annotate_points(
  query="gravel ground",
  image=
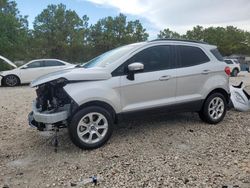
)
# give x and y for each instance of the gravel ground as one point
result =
(176, 150)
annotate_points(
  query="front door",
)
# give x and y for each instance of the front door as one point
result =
(156, 85)
(32, 71)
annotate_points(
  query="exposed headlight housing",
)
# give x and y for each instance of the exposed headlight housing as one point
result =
(59, 81)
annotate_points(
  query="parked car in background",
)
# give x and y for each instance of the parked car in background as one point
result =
(139, 79)
(234, 66)
(32, 70)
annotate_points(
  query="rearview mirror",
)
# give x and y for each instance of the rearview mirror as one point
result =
(134, 68)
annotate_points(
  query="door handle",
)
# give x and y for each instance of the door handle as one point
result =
(205, 72)
(164, 78)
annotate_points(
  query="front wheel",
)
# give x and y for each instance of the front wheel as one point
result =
(91, 127)
(11, 80)
(214, 109)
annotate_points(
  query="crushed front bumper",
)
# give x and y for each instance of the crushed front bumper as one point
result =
(46, 119)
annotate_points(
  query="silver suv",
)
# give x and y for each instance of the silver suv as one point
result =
(141, 78)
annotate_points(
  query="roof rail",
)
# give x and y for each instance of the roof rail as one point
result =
(181, 40)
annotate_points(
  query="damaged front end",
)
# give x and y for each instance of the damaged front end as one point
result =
(53, 106)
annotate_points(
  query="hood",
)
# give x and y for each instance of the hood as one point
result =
(8, 62)
(74, 74)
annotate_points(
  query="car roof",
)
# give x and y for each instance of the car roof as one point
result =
(47, 60)
(180, 40)
(184, 42)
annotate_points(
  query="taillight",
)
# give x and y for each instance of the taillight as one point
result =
(227, 71)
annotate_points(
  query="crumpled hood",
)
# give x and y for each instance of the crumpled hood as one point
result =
(74, 74)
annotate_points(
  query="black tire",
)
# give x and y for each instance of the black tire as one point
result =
(235, 73)
(205, 113)
(11, 81)
(74, 128)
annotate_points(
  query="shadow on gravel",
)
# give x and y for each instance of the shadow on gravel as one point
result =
(22, 85)
(127, 129)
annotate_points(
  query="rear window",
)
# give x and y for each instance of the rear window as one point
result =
(236, 61)
(51, 63)
(228, 61)
(217, 54)
(191, 56)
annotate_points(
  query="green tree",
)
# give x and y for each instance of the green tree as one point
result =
(168, 34)
(60, 33)
(110, 32)
(230, 40)
(196, 34)
(13, 31)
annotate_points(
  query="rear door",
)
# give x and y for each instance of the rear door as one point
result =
(156, 85)
(194, 69)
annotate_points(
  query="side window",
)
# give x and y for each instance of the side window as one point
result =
(35, 64)
(52, 63)
(228, 61)
(217, 54)
(191, 56)
(154, 59)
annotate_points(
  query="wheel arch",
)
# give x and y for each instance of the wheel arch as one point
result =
(222, 91)
(3, 78)
(102, 104)
(235, 68)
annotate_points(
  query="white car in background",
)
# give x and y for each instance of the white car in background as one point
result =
(234, 66)
(32, 70)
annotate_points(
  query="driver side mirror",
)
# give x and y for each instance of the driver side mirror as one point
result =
(134, 68)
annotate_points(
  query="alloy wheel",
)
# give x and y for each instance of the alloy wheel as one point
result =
(92, 128)
(216, 108)
(11, 80)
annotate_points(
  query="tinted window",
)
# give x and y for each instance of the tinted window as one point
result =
(155, 58)
(190, 56)
(228, 61)
(236, 61)
(35, 64)
(217, 54)
(52, 63)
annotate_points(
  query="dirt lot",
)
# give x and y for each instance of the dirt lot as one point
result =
(166, 151)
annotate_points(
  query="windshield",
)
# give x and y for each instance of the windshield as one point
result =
(109, 57)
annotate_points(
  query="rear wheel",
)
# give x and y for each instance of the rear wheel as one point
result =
(11, 81)
(235, 73)
(214, 109)
(91, 127)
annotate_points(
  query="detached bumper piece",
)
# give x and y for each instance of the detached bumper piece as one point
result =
(46, 120)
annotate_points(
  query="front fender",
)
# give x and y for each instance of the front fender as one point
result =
(104, 91)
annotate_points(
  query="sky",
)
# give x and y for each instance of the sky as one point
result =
(155, 15)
